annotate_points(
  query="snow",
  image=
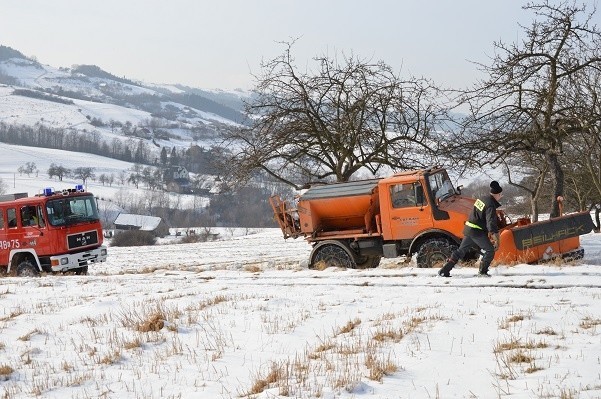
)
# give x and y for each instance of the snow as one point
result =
(144, 223)
(29, 111)
(14, 156)
(244, 317)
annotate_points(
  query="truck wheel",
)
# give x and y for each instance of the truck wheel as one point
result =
(27, 269)
(434, 253)
(81, 271)
(367, 262)
(331, 254)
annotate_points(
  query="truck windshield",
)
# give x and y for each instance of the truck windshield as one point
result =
(68, 211)
(441, 185)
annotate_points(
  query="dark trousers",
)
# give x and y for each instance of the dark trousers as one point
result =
(473, 239)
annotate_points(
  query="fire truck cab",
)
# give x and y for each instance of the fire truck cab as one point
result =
(50, 232)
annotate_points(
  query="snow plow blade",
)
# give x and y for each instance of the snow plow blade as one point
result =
(546, 240)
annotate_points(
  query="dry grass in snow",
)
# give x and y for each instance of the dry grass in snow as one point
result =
(255, 327)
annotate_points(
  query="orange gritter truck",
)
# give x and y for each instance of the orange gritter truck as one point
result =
(355, 224)
(50, 232)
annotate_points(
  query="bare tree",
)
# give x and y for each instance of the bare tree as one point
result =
(532, 172)
(28, 169)
(328, 125)
(135, 176)
(84, 173)
(122, 177)
(583, 152)
(124, 199)
(58, 170)
(521, 106)
(103, 178)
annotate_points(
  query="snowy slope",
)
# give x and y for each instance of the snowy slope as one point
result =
(94, 99)
(15, 156)
(22, 110)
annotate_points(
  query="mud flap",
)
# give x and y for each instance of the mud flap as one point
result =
(552, 230)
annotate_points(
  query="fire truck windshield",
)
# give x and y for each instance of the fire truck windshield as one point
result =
(68, 211)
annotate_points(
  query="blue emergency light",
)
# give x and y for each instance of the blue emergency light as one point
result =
(79, 188)
(48, 191)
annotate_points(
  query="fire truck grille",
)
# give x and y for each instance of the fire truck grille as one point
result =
(82, 239)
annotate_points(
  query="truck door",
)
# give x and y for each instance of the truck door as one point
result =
(32, 216)
(409, 210)
(13, 235)
(30, 226)
(4, 242)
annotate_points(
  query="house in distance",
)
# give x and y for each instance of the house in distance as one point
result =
(129, 221)
(177, 179)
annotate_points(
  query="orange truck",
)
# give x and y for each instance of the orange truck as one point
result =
(50, 232)
(355, 224)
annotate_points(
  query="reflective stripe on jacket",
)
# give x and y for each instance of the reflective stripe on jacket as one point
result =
(472, 225)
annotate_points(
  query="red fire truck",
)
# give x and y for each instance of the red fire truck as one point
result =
(50, 232)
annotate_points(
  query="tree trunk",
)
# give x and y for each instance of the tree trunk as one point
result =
(534, 208)
(557, 176)
(536, 193)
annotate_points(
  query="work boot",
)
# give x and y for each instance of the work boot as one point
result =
(445, 270)
(444, 273)
(483, 272)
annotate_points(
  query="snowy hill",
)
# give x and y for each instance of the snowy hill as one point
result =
(85, 98)
(45, 110)
(112, 198)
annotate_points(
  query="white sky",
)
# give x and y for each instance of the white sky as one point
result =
(219, 44)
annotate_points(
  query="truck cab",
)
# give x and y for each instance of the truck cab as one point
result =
(422, 203)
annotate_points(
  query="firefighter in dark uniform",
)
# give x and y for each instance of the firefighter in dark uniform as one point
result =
(481, 231)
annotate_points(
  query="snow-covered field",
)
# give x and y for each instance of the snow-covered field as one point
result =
(243, 317)
(15, 156)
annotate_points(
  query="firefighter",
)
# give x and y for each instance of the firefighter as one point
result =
(481, 231)
(29, 217)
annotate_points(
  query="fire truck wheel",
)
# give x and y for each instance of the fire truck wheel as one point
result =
(331, 254)
(434, 253)
(82, 271)
(27, 269)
